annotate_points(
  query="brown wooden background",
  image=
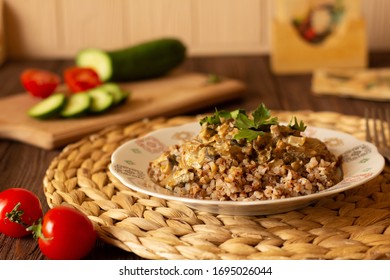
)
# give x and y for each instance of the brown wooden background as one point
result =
(57, 29)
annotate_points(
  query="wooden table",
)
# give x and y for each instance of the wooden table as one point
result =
(24, 166)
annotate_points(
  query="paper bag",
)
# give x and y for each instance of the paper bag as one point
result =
(311, 34)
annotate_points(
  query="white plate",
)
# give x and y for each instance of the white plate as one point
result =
(129, 163)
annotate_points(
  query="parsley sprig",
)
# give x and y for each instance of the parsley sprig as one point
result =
(249, 127)
(216, 118)
(300, 126)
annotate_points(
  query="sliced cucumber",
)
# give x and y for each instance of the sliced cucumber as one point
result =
(98, 59)
(76, 105)
(101, 100)
(116, 92)
(49, 107)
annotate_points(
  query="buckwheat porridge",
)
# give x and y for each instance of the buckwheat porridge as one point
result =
(244, 157)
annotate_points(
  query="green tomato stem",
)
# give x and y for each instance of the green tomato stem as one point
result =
(15, 215)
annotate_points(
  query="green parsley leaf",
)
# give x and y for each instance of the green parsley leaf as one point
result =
(248, 134)
(262, 116)
(216, 118)
(210, 120)
(243, 122)
(300, 126)
(249, 127)
(234, 114)
(224, 114)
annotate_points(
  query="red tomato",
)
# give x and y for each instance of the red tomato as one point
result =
(39, 83)
(309, 34)
(66, 234)
(81, 78)
(19, 209)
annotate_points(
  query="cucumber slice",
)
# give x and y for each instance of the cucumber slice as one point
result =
(101, 100)
(76, 105)
(99, 60)
(49, 107)
(116, 91)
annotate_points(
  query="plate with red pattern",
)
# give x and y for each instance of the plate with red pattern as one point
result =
(361, 162)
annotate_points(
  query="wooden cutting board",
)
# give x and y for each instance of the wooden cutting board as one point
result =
(175, 94)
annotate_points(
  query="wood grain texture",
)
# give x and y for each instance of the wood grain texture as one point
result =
(175, 94)
(378, 22)
(2, 35)
(90, 22)
(58, 29)
(226, 26)
(145, 20)
(32, 27)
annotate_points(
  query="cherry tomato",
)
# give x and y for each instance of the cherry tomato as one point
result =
(66, 234)
(309, 34)
(81, 78)
(39, 83)
(19, 209)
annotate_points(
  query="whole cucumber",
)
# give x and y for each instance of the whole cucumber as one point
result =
(143, 61)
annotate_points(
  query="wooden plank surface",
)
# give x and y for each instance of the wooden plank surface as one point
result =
(53, 29)
(175, 94)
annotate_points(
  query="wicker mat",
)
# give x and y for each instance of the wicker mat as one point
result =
(351, 225)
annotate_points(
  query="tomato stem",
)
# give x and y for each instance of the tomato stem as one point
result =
(36, 229)
(15, 215)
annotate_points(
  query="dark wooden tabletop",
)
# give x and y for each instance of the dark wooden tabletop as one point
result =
(24, 165)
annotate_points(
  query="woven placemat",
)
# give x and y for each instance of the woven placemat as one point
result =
(350, 225)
